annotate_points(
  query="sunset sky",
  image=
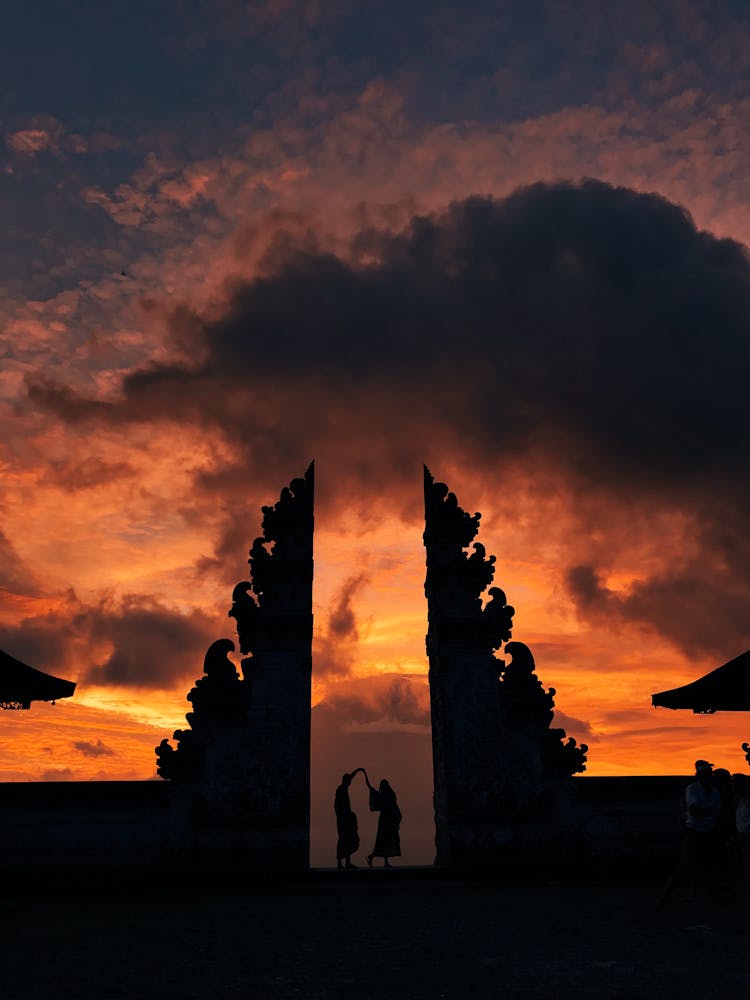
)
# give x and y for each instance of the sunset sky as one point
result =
(507, 241)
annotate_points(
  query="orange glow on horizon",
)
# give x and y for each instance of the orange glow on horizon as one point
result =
(603, 678)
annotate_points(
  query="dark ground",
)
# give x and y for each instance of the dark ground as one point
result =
(369, 934)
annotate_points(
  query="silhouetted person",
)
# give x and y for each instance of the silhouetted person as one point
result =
(741, 785)
(701, 851)
(727, 828)
(346, 823)
(387, 840)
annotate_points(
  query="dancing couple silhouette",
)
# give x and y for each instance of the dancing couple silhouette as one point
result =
(382, 800)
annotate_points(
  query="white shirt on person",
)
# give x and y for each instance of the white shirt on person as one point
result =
(705, 798)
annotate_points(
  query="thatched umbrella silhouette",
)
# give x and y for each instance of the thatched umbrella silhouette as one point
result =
(725, 689)
(21, 684)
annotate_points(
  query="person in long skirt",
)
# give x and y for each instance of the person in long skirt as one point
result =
(387, 839)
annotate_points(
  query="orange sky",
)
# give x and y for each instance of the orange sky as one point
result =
(603, 675)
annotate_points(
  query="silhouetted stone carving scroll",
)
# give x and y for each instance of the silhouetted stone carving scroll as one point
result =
(277, 597)
(183, 763)
(497, 618)
(247, 752)
(495, 755)
(219, 699)
(529, 709)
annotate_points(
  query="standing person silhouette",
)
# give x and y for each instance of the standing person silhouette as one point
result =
(700, 860)
(741, 783)
(387, 840)
(346, 823)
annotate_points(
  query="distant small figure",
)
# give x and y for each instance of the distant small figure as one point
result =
(701, 853)
(387, 840)
(725, 788)
(741, 786)
(728, 865)
(346, 823)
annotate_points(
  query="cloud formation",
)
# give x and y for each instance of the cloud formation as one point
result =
(152, 645)
(56, 774)
(572, 311)
(694, 604)
(335, 648)
(14, 574)
(589, 326)
(383, 702)
(89, 749)
(131, 642)
(342, 622)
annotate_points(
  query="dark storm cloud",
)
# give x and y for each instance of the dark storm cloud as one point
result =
(400, 703)
(229, 557)
(154, 646)
(582, 314)
(573, 727)
(42, 641)
(217, 58)
(386, 700)
(342, 622)
(335, 649)
(87, 474)
(14, 574)
(150, 645)
(702, 611)
(97, 749)
(56, 774)
(589, 324)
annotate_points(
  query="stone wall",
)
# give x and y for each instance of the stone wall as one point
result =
(607, 823)
(83, 824)
(627, 818)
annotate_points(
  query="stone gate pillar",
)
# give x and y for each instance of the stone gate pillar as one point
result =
(496, 760)
(246, 758)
